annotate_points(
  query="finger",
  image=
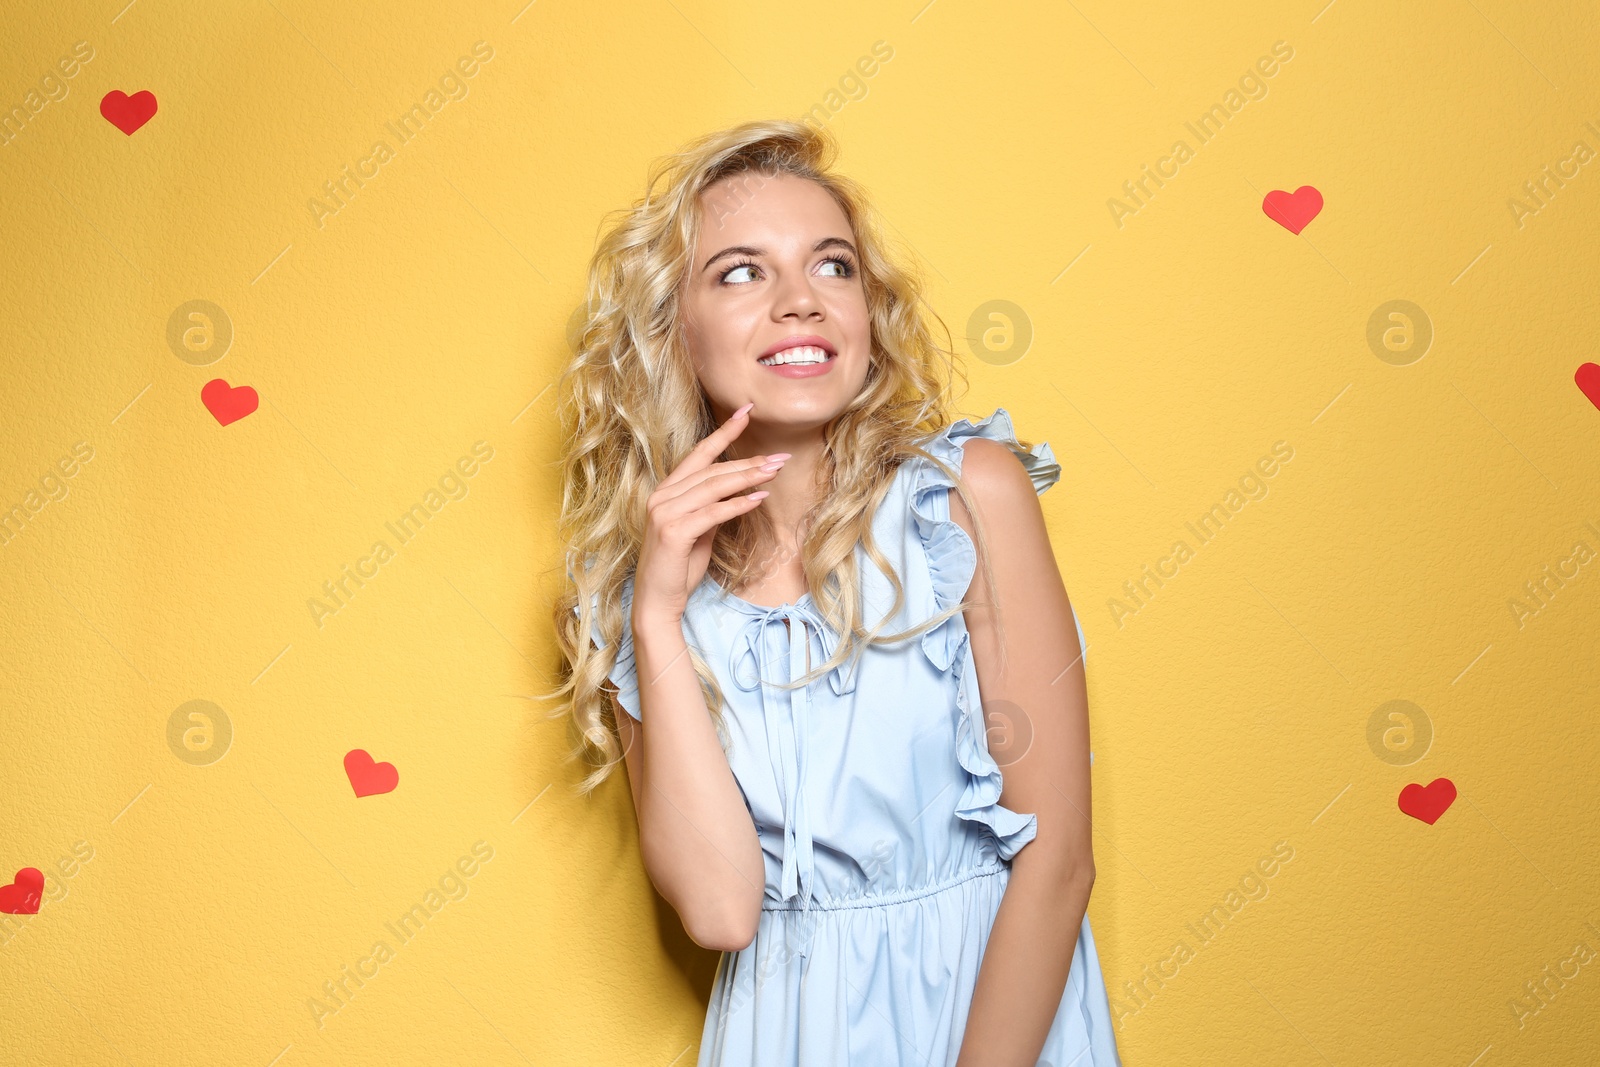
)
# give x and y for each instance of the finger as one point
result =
(712, 485)
(724, 477)
(695, 524)
(709, 448)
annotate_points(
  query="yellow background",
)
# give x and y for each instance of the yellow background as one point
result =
(429, 312)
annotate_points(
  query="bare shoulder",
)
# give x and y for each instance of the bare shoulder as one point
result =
(1004, 493)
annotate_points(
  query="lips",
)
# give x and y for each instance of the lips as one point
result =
(801, 341)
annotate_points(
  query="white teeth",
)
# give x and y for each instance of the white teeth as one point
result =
(800, 354)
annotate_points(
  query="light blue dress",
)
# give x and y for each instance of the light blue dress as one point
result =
(878, 809)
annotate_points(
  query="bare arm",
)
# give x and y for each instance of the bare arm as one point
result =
(696, 836)
(1040, 672)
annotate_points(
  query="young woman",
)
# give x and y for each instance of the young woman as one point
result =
(786, 599)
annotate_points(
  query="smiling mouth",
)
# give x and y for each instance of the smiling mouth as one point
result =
(800, 355)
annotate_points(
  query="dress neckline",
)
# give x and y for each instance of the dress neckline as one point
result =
(903, 470)
(761, 609)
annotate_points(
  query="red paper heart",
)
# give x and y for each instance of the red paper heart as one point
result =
(22, 896)
(228, 403)
(1293, 210)
(367, 777)
(1428, 802)
(1588, 379)
(128, 113)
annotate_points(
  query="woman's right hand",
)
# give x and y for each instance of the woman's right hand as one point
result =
(683, 513)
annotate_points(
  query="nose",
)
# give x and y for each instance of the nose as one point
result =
(795, 295)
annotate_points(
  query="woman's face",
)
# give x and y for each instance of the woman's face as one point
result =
(776, 268)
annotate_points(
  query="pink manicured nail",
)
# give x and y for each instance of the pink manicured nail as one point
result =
(744, 409)
(760, 495)
(774, 465)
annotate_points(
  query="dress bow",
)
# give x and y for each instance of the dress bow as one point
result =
(787, 715)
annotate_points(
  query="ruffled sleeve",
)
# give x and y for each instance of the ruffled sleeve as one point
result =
(952, 561)
(952, 557)
(623, 674)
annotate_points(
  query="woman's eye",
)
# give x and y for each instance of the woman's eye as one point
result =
(740, 273)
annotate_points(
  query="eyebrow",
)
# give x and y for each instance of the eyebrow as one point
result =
(746, 250)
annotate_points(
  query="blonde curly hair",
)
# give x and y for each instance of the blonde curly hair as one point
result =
(631, 408)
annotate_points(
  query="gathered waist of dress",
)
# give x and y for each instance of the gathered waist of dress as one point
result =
(879, 900)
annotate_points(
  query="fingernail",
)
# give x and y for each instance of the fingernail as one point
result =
(780, 455)
(774, 465)
(744, 409)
